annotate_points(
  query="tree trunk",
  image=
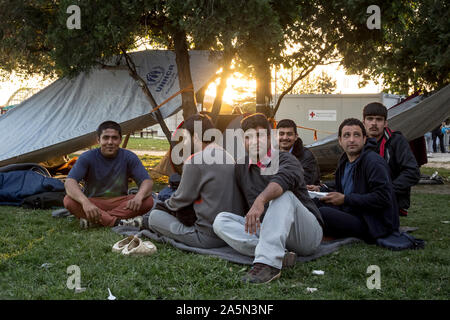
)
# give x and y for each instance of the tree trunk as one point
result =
(200, 95)
(217, 105)
(263, 88)
(184, 73)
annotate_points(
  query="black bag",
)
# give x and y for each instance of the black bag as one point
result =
(44, 200)
(400, 241)
(185, 215)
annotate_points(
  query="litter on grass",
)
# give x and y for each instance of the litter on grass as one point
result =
(318, 272)
(111, 297)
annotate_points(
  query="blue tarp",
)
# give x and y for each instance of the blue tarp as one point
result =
(17, 185)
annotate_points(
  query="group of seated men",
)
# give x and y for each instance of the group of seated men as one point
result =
(268, 215)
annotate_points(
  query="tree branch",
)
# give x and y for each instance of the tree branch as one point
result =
(306, 72)
(141, 83)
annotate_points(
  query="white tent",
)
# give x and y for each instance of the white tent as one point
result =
(413, 118)
(62, 118)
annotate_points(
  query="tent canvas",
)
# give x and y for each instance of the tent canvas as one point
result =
(62, 118)
(413, 118)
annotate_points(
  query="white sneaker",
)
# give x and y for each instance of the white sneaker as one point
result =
(120, 245)
(132, 222)
(137, 247)
(86, 224)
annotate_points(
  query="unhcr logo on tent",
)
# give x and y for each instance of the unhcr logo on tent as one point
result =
(159, 77)
(155, 76)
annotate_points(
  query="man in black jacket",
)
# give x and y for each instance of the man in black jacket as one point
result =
(435, 134)
(394, 148)
(364, 204)
(289, 141)
(280, 214)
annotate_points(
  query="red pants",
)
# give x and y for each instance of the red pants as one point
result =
(111, 209)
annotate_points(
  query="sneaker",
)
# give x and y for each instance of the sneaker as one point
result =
(132, 222)
(120, 245)
(86, 224)
(137, 247)
(261, 273)
(289, 260)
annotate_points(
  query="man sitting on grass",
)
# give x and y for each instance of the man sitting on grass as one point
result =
(206, 187)
(395, 149)
(291, 219)
(105, 172)
(364, 204)
(291, 142)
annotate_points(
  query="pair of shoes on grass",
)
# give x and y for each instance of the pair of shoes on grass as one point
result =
(261, 273)
(134, 246)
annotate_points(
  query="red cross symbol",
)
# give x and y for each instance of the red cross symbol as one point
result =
(312, 114)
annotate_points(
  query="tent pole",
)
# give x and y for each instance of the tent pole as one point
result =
(125, 142)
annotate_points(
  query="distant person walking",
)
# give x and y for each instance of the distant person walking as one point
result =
(437, 133)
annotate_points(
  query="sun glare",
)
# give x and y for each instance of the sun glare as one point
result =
(238, 88)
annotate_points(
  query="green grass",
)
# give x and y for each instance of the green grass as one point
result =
(28, 239)
(150, 144)
(443, 172)
(145, 144)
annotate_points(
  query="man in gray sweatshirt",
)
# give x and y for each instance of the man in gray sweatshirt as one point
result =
(209, 186)
(280, 214)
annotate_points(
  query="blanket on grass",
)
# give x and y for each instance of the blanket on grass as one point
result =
(227, 252)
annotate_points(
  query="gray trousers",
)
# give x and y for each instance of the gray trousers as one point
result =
(287, 224)
(169, 226)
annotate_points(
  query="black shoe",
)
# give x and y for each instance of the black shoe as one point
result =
(261, 273)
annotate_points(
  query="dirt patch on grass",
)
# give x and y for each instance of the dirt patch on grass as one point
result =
(445, 165)
(435, 189)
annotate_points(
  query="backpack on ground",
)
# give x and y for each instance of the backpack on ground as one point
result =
(400, 241)
(44, 200)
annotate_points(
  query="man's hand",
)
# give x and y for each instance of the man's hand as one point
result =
(334, 198)
(252, 223)
(311, 187)
(134, 204)
(92, 211)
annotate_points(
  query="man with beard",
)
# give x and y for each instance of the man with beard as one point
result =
(364, 204)
(394, 148)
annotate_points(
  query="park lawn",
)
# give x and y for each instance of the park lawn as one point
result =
(31, 238)
(148, 144)
(145, 144)
(443, 172)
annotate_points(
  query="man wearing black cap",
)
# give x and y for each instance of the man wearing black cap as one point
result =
(394, 148)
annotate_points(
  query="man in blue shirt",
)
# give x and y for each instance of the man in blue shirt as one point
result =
(105, 172)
